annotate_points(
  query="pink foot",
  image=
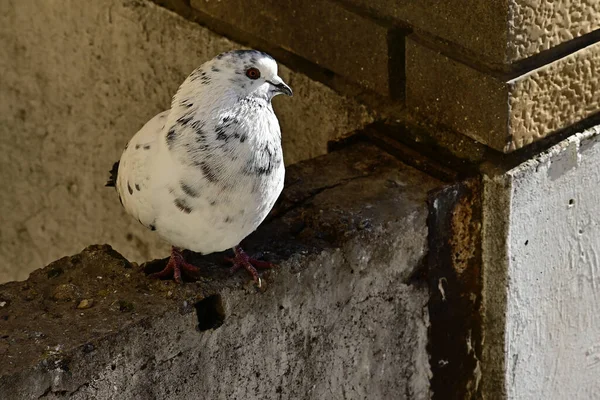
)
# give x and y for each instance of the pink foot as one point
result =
(242, 260)
(175, 267)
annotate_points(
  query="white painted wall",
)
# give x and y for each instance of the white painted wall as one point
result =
(552, 331)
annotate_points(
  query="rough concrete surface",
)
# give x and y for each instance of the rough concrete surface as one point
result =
(340, 317)
(503, 114)
(541, 278)
(321, 31)
(79, 78)
(535, 26)
(502, 31)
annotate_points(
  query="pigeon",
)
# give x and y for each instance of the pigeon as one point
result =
(205, 173)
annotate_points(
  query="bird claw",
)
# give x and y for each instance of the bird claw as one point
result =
(176, 267)
(242, 260)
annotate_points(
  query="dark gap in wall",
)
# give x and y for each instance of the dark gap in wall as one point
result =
(504, 72)
(418, 147)
(532, 150)
(396, 42)
(210, 312)
(555, 53)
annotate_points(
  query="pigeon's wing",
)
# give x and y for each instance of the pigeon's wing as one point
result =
(134, 170)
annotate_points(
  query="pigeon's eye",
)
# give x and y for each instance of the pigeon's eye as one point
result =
(253, 73)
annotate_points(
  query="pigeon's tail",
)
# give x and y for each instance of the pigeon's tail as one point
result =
(114, 172)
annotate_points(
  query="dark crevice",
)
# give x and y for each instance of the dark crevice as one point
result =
(210, 312)
(505, 71)
(533, 150)
(416, 146)
(396, 42)
(418, 277)
(281, 212)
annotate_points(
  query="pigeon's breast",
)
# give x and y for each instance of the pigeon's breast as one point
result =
(225, 184)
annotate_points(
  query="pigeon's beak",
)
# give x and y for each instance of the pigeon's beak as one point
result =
(279, 86)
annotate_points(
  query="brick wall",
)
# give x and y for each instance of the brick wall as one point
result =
(506, 73)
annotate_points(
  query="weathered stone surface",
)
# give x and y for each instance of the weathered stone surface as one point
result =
(501, 113)
(78, 80)
(541, 241)
(535, 26)
(321, 31)
(339, 314)
(502, 31)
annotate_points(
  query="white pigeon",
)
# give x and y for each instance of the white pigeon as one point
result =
(206, 173)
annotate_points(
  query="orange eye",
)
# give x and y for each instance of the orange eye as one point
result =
(253, 73)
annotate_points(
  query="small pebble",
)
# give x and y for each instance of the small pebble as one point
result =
(85, 303)
(65, 292)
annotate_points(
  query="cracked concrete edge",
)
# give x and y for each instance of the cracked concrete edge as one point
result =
(119, 365)
(346, 298)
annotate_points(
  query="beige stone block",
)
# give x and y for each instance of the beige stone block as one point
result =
(78, 80)
(503, 31)
(321, 31)
(535, 26)
(505, 114)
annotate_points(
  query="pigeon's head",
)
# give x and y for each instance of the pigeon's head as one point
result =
(249, 73)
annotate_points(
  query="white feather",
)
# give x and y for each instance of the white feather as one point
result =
(209, 169)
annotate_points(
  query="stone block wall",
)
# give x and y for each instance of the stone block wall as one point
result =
(506, 73)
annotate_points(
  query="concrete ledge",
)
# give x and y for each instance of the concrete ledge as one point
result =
(340, 315)
(505, 114)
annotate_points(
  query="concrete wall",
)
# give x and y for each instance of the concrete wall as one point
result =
(340, 317)
(542, 277)
(79, 78)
